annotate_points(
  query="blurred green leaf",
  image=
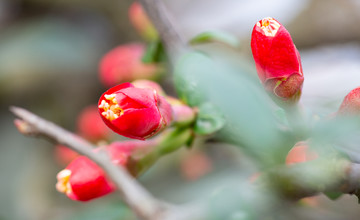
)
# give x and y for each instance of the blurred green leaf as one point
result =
(186, 81)
(37, 50)
(154, 53)
(216, 36)
(249, 112)
(112, 212)
(231, 201)
(209, 119)
(333, 195)
(340, 133)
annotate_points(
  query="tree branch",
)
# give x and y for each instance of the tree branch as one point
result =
(136, 196)
(319, 176)
(298, 181)
(159, 16)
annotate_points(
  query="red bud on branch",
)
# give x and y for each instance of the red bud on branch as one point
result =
(141, 22)
(300, 153)
(277, 60)
(124, 64)
(351, 103)
(134, 112)
(84, 180)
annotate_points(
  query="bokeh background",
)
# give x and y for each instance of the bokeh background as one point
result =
(49, 55)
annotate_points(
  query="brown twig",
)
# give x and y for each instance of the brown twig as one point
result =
(162, 21)
(313, 177)
(136, 196)
(295, 182)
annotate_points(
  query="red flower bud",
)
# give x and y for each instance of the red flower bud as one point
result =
(64, 155)
(91, 126)
(351, 103)
(123, 64)
(141, 22)
(277, 60)
(148, 84)
(183, 115)
(84, 180)
(196, 165)
(120, 152)
(300, 153)
(134, 112)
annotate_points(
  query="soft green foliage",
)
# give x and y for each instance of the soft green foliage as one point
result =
(209, 119)
(186, 79)
(333, 195)
(216, 36)
(249, 113)
(110, 212)
(154, 52)
(330, 136)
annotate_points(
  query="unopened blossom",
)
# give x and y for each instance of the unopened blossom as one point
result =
(137, 113)
(141, 22)
(277, 60)
(351, 103)
(300, 153)
(124, 64)
(84, 180)
(90, 125)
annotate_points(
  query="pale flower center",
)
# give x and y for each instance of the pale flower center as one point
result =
(269, 26)
(63, 184)
(111, 108)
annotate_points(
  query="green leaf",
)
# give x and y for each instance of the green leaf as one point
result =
(209, 119)
(216, 36)
(249, 112)
(154, 53)
(341, 133)
(333, 195)
(186, 76)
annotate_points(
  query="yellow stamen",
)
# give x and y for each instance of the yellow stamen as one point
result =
(63, 184)
(269, 25)
(111, 108)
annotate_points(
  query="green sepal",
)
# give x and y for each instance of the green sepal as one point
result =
(173, 140)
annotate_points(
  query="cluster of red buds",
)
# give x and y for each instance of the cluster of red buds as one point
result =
(137, 110)
(124, 62)
(279, 68)
(141, 109)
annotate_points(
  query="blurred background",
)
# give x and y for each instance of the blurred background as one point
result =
(49, 55)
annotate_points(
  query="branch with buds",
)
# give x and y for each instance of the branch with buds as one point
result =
(133, 194)
(146, 113)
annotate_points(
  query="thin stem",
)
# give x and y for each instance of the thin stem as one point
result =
(297, 181)
(162, 21)
(136, 196)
